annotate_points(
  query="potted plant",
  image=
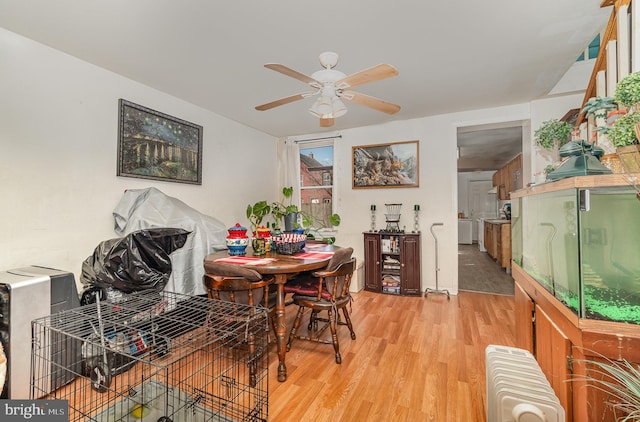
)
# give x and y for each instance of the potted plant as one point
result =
(599, 106)
(317, 229)
(623, 132)
(619, 379)
(553, 134)
(313, 227)
(288, 212)
(628, 90)
(624, 136)
(256, 213)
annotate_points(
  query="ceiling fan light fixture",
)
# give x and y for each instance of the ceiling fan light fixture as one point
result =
(339, 109)
(333, 87)
(321, 107)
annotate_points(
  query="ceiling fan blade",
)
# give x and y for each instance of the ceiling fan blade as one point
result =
(375, 73)
(281, 101)
(372, 102)
(326, 121)
(290, 72)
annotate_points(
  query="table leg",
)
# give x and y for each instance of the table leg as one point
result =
(281, 326)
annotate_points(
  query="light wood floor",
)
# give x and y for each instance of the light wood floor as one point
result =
(414, 359)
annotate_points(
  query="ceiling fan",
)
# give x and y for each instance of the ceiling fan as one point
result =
(333, 86)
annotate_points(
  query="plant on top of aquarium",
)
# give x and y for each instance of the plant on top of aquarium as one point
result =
(628, 90)
(553, 133)
(599, 106)
(622, 132)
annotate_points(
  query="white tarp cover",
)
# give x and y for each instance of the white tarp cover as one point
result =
(150, 208)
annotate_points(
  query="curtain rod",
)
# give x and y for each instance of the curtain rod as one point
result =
(317, 139)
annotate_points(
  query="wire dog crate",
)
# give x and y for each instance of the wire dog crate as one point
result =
(152, 356)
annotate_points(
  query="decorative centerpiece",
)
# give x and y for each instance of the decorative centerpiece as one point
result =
(583, 159)
(290, 243)
(237, 240)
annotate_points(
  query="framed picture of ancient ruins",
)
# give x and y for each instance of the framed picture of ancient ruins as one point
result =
(154, 145)
(391, 165)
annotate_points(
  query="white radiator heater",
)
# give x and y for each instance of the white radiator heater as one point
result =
(517, 390)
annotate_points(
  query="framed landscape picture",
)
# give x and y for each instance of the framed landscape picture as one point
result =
(154, 145)
(393, 165)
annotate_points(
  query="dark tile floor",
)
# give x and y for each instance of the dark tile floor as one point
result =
(478, 272)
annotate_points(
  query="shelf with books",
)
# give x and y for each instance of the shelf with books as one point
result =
(390, 244)
(392, 263)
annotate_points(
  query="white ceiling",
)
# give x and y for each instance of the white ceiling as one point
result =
(451, 56)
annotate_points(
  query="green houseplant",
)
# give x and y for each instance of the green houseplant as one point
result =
(628, 90)
(599, 106)
(312, 226)
(622, 133)
(287, 212)
(621, 380)
(256, 213)
(553, 134)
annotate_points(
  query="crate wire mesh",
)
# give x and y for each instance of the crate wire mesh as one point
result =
(152, 356)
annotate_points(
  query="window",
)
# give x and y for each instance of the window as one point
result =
(326, 178)
(316, 180)
(592, 50)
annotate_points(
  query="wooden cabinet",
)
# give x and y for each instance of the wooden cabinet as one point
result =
(392, 263)
(372, 275)
(561, 342)
(508, 178)
(497, 241)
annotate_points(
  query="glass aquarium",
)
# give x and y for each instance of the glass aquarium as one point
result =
(583, 246)
(516, 231)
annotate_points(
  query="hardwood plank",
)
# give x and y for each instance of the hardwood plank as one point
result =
(413, 359)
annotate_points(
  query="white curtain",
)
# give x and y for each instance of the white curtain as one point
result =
(291, 168)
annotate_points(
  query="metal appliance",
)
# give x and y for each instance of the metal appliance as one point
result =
(26, 294)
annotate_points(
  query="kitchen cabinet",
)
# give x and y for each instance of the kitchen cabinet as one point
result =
(392, 263)
(508, 178)
(497, 241)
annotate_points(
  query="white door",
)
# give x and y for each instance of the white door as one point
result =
(481, 203)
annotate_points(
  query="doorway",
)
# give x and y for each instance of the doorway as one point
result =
(483, 149)
(482, 204)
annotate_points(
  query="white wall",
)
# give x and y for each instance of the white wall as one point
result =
(437, 194)
(58, 146)
(541, 111)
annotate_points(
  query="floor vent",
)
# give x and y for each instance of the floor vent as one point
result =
(517, 390)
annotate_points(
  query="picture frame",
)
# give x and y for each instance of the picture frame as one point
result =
(157, 146)
(389, 165)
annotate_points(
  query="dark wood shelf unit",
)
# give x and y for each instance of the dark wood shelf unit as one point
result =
(395, 255)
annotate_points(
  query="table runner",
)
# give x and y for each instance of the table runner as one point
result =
(242, 260)
(313, 255)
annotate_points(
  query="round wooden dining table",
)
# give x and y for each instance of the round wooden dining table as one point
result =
(283, 267)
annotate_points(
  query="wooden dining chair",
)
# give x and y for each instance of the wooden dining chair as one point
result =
(242, 286)
(325, 290)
